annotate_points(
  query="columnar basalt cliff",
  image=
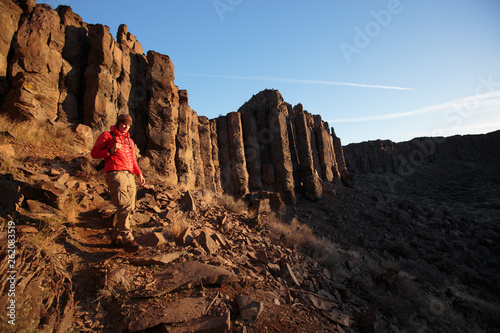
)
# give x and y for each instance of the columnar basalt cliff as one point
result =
(55, 66)
(385, 156)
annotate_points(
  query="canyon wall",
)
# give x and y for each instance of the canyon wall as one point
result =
(384, 156)
(55, 66)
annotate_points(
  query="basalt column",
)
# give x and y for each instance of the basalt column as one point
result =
(280, 154)
(75, 57)
(237, 154)
(215, 155)
(252, 150)
(10, 13)
(163, 114)
(329, 170)
(206, 153)
(184, 158)
(226, 175)
(36, 66)
(339, 158)
(311, 184)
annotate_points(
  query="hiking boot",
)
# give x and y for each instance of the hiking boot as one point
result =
(131, 245)
(127, 243)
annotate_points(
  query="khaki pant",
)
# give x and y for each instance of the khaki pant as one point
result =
(123, 192)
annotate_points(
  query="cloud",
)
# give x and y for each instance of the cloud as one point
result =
(467, 105)
(299, 81)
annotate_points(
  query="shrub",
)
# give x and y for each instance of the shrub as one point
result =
(301, 236)
(232, 204)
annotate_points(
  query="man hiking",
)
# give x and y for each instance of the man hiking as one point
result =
(117, 149)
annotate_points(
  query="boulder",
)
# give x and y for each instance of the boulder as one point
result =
(175, 311)
(186, 274)
(10, 195)
(249, 308)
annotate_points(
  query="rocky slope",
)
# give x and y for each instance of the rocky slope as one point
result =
(410, 245)
(55, 66)
(356, 260)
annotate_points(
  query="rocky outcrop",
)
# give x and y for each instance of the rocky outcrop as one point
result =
(384, 156)
(55, 66)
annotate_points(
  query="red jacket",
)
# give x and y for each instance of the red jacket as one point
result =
(123, 159)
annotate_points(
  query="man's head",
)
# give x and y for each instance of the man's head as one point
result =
(123, 122)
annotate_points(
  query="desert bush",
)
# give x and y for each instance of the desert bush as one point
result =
(301, 236)
(176, 226)
(37, 132)
(71, 209)
(232, 204)
(49, 231)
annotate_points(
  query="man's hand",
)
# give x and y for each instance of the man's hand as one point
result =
(142, 181)
(116, 147)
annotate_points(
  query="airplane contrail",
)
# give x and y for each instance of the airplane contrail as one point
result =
(467, 105)
(300, 81)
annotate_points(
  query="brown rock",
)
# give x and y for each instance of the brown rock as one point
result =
(151, 239)
(339, 317)
(249, 309)
(188, 201)
(185, 275)
(207, 242)
(10, 195)
(161, 259)
(37, 207)
(261, 206)
(186, 237)
(220, 324)
(49, 193)
(288, 275)
(176, 311)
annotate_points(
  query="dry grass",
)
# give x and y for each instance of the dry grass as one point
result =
(178, 224)
(71, 209)
(301, 236)
(232, 204)
(38, 132)
(51, 230)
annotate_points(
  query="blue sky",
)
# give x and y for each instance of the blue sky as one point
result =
(388, 69)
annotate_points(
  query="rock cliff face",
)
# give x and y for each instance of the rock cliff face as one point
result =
(384, 156)
(55, 66)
